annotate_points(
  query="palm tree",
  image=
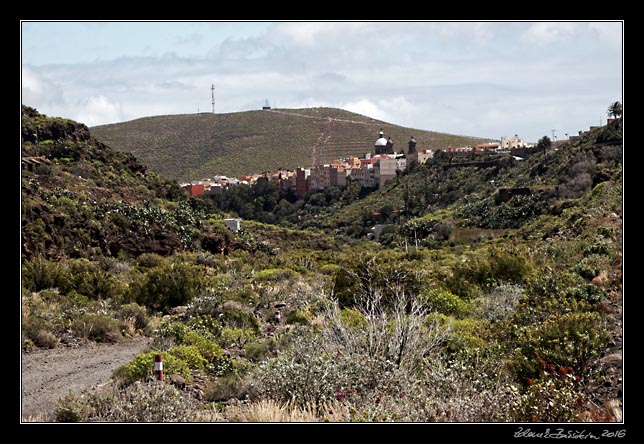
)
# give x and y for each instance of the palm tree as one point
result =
(615, 110)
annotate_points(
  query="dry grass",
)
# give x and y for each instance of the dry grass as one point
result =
(38, 417)
(271, 411)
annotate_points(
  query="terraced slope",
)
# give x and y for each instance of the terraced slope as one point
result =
(192, 146)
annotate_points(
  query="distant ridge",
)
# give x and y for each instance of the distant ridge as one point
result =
(192, 146)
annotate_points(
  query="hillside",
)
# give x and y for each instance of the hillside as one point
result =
(474, 305)
(81, 199)
(192, 146)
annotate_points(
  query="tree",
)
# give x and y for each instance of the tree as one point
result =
(615, 110)
(544, 143)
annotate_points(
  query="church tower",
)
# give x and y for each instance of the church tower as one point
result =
(380, 145)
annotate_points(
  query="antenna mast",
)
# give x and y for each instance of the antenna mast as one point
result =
(212, 89)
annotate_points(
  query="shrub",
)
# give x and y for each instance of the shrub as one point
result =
(40, 274)
(141, 368)
(190, 355)
(257, 351)
(567, 340)
(73, 408)
(139, 402)
(465, 334)
(447, 303)
(548, 400)
(500, 303)
(210, 350)
(235, 317)
(205, 324)
(297, 317)
(273, 274)
(138, 313)
(229, 387)
(169, 285)
(307, 376)
(149, 260)
(352, 319)
(329, 269)
(38, 331)
(587, 292)
(97, 327)
(89, 279)
(237, 337)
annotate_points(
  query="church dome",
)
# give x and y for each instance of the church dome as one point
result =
(381, 142)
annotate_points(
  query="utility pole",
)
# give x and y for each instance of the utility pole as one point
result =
(212, 89)
(553, 134)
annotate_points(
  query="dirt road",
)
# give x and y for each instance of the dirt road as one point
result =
(48, 375)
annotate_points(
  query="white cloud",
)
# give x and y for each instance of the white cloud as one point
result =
(547, 33)
(310, 34)
(38, 89)
(368, 108)
(97, 110)
(608, 32)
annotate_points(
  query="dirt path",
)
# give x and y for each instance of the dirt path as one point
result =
(48, 375)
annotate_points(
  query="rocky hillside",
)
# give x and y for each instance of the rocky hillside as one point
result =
(80, 198)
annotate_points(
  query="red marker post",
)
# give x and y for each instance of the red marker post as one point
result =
(158, 367)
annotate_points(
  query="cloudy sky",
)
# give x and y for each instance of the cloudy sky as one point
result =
(486, 79)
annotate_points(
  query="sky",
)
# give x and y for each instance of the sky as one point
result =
(488, 79)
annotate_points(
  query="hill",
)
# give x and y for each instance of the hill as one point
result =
(192, 146)
(473, 305)
(81, 199)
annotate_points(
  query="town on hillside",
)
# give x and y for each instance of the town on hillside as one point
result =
(372, 171)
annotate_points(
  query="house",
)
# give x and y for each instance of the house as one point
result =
(195, 189)
(233, 224)
(33, 163)
(513, 143)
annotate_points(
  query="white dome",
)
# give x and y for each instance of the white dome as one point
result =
(381, 142)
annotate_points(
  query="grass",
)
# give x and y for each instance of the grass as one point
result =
(193, 146)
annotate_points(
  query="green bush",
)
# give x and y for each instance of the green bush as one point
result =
(141, 368)
(89, 279)
(587, 292)
(237, 337)
(169, 285)
(174, 330)
(210, 350)
(235, 317)
(190, 355)
(297, 317)
(273, 274)
(352, 319)
(40, 274)
(567, 340)
(206, 325)
(258, 351)
(329, 269)
(149, 260)
(221, 366)
(447, 303)
(465, 334)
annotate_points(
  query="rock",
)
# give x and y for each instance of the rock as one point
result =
(181, 309)
(177, 380)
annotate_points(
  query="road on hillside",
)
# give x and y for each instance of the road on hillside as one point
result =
(49, 375)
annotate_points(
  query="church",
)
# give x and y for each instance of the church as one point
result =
(382, 145)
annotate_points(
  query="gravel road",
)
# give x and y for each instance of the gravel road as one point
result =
(48, 375)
